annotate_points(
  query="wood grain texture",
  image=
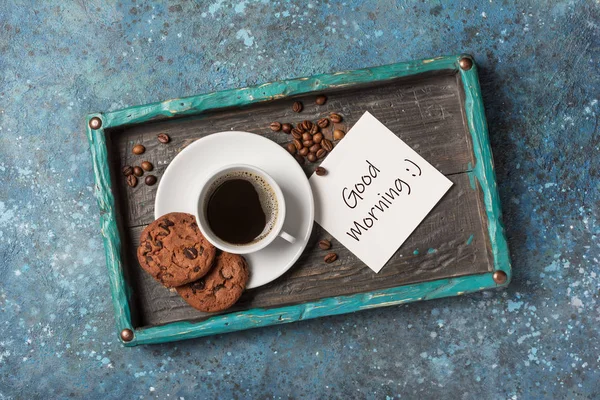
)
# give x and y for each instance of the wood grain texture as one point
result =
(451, 242)
(424, 111)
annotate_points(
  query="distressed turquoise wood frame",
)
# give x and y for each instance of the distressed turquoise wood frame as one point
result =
(482, 172)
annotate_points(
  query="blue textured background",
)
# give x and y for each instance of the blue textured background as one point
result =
(539, 68)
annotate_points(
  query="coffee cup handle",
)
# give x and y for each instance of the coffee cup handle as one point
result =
(287, 237)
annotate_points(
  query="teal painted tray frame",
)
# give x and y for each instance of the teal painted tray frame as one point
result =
(482, 172)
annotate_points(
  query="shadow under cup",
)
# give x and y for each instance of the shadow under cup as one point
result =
(270, 199)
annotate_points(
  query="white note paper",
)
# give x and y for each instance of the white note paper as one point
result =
(376, 192)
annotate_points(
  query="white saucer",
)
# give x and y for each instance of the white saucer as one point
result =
(180, 185)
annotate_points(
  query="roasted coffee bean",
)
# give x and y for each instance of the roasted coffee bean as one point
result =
(297, 106)
(321, 153)
(147, 166)
(314, 148)
(307, 125)
(324, 244)
(323, 123)
(304, 151)
(137, 171)
(287, 128)
(296, 133)
(163, 138)
(338, 134)
(307, 143)
(291, 148)
(314, 130)
(306, 136)
(275, 126)
(138, 149)
(132, 180)
(326, 144)
(150, 180)
(317, 138)
(300, 159)
(321, 99)
(329, 258)
(311, 157)
(190, 252)
(322, 171)
(335, 118)
(297, 144)
(127, 170)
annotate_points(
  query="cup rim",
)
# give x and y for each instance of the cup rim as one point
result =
(249, 248)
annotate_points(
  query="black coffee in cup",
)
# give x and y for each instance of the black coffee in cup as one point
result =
(242, 208)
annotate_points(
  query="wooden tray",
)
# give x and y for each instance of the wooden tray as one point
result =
(433, 105)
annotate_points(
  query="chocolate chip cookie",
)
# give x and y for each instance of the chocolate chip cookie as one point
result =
(173, 250)
(221, 287)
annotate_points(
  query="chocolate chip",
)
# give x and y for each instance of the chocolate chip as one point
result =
(190, 253)
(198, 285)
(165, 227)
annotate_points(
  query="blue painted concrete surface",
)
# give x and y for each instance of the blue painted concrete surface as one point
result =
(540, 79)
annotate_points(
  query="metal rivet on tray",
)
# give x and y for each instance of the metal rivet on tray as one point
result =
(127, 335)
(95, 123)
(465, 63)
(499, 277)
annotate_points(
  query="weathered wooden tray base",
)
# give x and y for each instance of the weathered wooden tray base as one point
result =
(425, 110)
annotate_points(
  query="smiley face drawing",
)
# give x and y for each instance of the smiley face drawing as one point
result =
(413, 168)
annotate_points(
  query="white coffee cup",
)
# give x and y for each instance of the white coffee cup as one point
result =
(275, 213)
